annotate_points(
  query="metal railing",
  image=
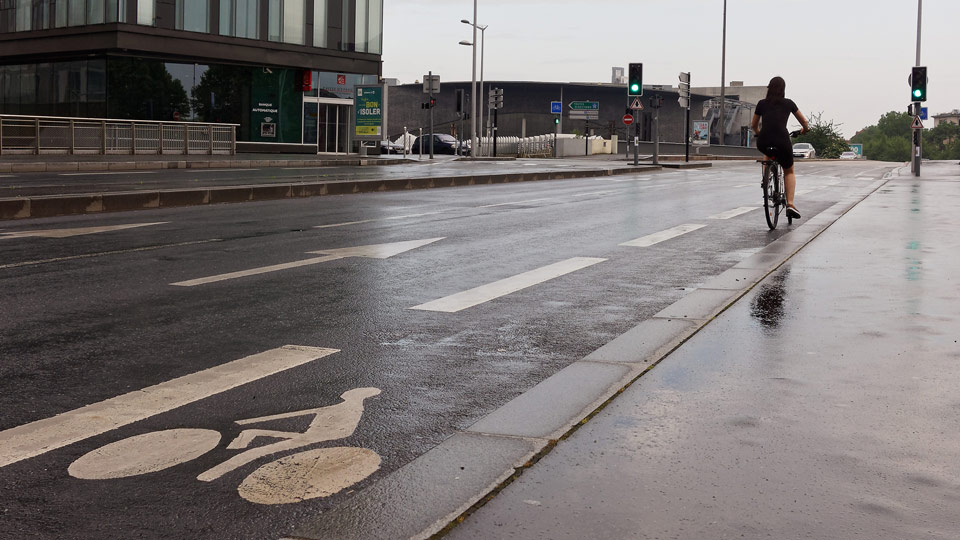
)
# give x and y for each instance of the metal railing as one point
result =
(64, 135)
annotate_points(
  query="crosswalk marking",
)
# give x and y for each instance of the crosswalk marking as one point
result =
(256, 271)
(66, 233)
(35, 438)
(656, 238)
(485, 293)
(733, 213)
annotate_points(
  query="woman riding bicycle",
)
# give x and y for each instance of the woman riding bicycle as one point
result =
(773, 139)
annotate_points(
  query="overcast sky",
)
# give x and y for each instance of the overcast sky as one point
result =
(848, 59)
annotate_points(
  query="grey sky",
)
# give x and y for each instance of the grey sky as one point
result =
(848, 59)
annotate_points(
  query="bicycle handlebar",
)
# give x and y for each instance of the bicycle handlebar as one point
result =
(795, 134)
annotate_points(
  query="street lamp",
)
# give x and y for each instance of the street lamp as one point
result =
(473, 117)
(479, 106)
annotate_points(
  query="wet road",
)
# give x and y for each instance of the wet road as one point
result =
(481, 293)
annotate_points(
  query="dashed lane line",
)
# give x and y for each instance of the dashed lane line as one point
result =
(66, 233)
(36, 438)
(105, 253)
(515, 202)
(485, 293)
(733, 213)
(656, 238)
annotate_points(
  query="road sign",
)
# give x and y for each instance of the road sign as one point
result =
(923, 113)
(584, 115)
(627, 119)
(585, 105)
(636, 105)
(556, 107)
(917, 124)
(431, 84)
(857, 149)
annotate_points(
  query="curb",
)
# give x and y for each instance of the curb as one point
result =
(93, 203)
(527, 428)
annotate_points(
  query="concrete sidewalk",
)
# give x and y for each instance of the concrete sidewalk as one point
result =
(822, 404)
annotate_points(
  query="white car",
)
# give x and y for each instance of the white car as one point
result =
(804, 150)
(848, 155)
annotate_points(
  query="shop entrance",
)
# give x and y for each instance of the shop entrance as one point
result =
(326, 122)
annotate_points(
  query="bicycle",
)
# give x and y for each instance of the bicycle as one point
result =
(293, 478)
(774, 191)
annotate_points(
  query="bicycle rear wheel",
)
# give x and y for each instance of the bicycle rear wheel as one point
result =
(771, 195)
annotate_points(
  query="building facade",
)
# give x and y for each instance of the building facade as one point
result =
(284, 70)
(952, 117)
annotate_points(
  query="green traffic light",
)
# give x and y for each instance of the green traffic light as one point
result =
(918, 93)
(634, 87)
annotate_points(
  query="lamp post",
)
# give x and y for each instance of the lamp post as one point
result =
(479, 106)
(723, 77)
(472, 111)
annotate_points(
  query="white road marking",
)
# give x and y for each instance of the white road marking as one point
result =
(733, 213)
(746, 185)
(66, 233)
(6, 176)
(514, 202)
(661, 236)
(594, 193)
(377, 251)
(868, 171)
(378, 219)
(485, 293)
(304, 168)
(106, 173)
(36, 438)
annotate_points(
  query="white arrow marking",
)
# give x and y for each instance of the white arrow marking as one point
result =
(66, 233)
(733, 213)
(377, 251)
(661, 236)
(35, 438)
(485, 293)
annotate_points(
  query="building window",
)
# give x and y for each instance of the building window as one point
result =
(146, 12)
(84, 12)
(193, 15)
(240, 18)
(320, 23)
(369, 29)
(286, 21)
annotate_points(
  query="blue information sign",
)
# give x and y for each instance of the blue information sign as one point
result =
(556, 107)
(923, 113)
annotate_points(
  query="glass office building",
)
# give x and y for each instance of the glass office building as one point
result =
(230, 61)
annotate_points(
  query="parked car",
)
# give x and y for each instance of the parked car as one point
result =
(848, 155)
(390, 147)
(442, 144)
(804, 150)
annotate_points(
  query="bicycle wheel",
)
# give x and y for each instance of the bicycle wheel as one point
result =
(771, 198)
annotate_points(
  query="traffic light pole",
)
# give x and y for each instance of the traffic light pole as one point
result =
(918, 133)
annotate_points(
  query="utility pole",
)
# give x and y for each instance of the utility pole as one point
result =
(723, 77)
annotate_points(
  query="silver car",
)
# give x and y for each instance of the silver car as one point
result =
(804, 150)
(848, 155)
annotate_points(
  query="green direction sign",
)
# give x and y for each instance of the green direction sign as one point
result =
(585, 105)
(368, 110)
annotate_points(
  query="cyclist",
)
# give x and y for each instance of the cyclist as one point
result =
(775, 110)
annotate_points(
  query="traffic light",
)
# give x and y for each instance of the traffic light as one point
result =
(918, 84)
(556, 121)
(635, 80)
(459, 100)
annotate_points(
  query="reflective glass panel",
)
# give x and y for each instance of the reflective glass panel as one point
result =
(320, 23)
(146, 12)
(294, 12)
(94, 11)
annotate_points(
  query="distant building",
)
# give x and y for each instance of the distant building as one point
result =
(952, 117)
(738, 112)
(526, 110)
(619, 76)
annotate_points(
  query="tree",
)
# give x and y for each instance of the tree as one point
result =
(942, 142)
(825, 137)
(218, 97)
(144, 90)
(889, 140)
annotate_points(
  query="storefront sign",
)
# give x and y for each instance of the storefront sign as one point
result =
(369, 112)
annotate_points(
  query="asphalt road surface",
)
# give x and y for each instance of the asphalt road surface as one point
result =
(131, 344)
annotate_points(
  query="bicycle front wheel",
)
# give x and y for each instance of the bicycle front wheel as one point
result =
(771, 196)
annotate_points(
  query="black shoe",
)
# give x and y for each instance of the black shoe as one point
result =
(792, 213)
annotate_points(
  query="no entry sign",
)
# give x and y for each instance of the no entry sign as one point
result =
(628, 119)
